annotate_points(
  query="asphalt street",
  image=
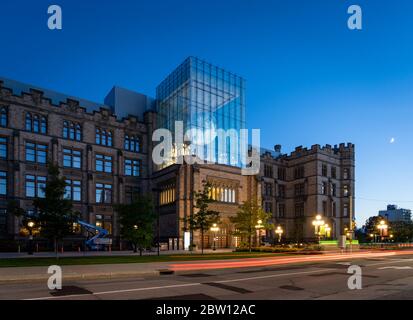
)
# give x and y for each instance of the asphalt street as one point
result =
(389, 277)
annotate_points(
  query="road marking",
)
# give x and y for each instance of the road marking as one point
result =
(179, 285)
(397, 268)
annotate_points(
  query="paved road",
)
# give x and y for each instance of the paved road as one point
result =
(389, 277)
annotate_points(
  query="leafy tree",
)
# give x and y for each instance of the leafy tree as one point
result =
(402, 231)
(370, 227)
(137, 221)
(55, 216)
(248, 215)
(203, 218)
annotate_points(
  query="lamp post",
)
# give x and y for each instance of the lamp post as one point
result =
(214, 229)
(317, 223)
(158, 232)
(258, 227)
(279, 231)
(382, 226)
(328, 231)
(30, 226)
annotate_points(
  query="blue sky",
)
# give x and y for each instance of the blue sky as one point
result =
(309, 78)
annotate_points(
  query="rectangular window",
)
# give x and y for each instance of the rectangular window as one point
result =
(281, 210)
(281, 191)
(3, 148)
(3, 183)
(268, 172)
(324, 188)
(299, 209)
(103, 193)
(268, 207)
(72, 158)
(72, 130)
(299, 189)
(3, 220)
(131, 192)
(282, 174)
(333, 172)
(345, 173)
(3, 117)
(299, 172)
(345, 210)
(324, 170)
(73, 190)
(36, 152)
(325, 208)
(35, 186)
(333, 189)
(132, 167)
(103, 163)
(268, 189)
(345, 191)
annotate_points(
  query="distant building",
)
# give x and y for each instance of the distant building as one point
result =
(393, 214)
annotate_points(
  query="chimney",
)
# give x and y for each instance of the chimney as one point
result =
(277, 148)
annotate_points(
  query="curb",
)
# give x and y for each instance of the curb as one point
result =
(83, 276)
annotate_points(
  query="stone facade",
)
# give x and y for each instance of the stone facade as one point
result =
(294, 187)
(17, 167)
(306, 183)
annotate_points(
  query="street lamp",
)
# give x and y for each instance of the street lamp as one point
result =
(382, 226)
(214, 229)
(258, 226)
(279, 231)
(328, 230)
(317, 223)
(30, 226)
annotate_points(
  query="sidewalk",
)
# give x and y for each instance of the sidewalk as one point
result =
(13, 255)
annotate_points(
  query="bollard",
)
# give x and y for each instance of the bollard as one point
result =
(37, 247)
(62, 250)
(78, 249)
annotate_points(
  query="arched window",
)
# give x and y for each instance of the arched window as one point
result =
(36, 123)
(98, 136)
(78, 132)
(65, 129)
(3, 116)
(127, 141)
(28, 121)
(109, 138)
(43, 127)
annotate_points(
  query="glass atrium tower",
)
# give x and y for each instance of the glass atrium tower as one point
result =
(208, 100)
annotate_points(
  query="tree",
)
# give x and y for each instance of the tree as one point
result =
(247, 218)
(370, 227)
(402, 231)
(203, 218)
(137, 220)
(54, 214)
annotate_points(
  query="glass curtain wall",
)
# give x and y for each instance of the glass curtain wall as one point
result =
(209, 99)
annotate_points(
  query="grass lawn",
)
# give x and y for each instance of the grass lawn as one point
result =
(35, 262)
